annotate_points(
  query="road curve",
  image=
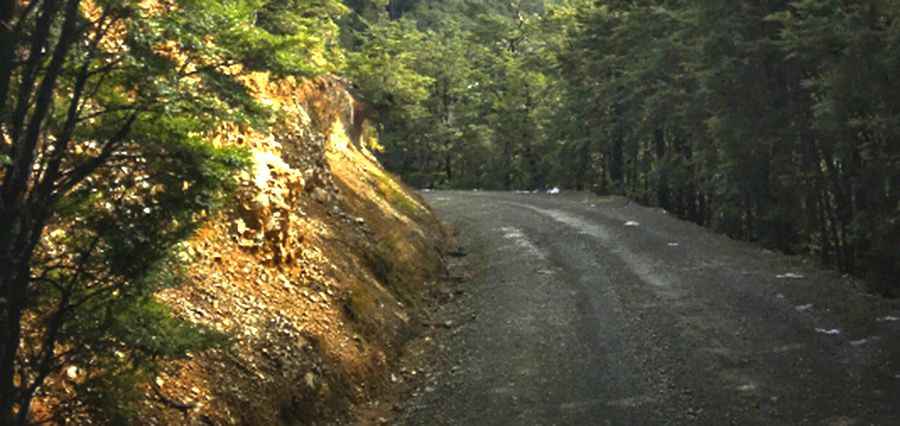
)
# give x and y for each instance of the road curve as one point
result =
(573, 318)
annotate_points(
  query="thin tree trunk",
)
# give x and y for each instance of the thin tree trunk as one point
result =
(25, 224)
(8, 37)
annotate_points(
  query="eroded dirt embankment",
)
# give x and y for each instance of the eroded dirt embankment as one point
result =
(318, 272)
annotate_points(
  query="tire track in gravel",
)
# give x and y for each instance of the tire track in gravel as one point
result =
(582, 320)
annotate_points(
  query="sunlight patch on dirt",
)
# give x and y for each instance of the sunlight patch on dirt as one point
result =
(639, 265)
(517, 236)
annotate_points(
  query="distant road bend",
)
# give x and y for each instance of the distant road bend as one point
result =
(582, 320)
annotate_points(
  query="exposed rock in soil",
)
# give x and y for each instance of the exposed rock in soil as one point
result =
(316, 272)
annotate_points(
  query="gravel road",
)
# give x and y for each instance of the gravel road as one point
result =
(570, 317)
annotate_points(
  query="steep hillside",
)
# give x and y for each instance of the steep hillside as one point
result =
(122, 127)
(316, 271)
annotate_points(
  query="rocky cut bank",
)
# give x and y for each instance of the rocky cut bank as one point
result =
(316, 272)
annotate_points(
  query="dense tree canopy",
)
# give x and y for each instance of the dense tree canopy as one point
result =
(774, 121)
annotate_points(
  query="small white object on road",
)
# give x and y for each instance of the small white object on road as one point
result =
(779, 296)
(889, 318)
(859, 342)
(674, 244)
(802, 308)
(749, 387)
(553, 191)
(830, 332)
(790, 275)
(632, 224)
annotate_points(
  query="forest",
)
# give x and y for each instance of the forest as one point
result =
(772, 121)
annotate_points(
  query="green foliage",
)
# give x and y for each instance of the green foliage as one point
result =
(141, 333)
(770, 122)
(385, 66)
(105, 170)
(761, 121)
(453, 80)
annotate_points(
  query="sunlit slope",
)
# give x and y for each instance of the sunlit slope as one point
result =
(315, 270)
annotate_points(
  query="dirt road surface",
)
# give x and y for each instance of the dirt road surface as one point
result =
(571, 315)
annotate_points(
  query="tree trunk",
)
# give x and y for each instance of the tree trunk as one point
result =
(448, 168)
(393, 10)
(616, 166)
(23, 217)
(663, 196)
(7, 49)
(507, 165)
